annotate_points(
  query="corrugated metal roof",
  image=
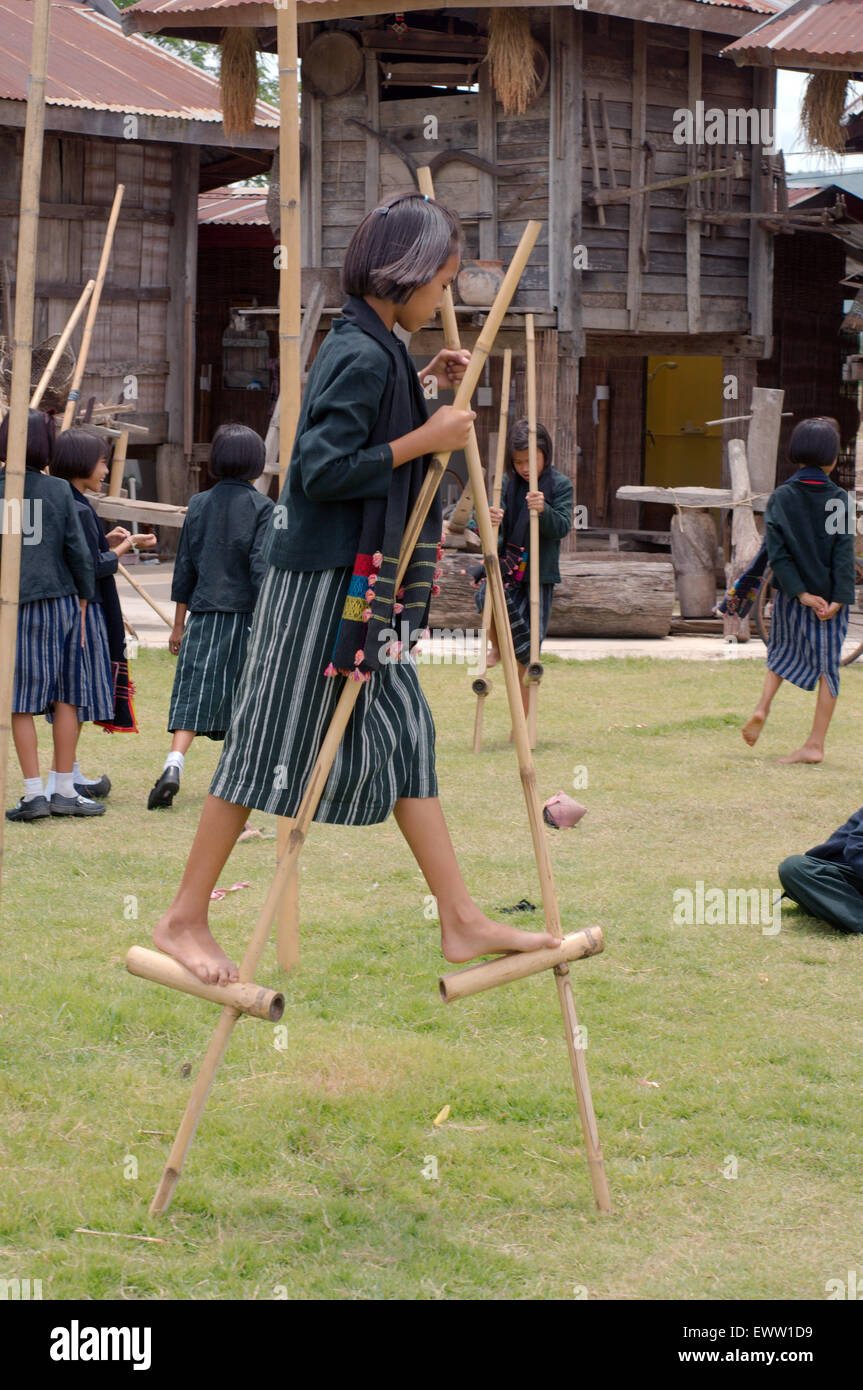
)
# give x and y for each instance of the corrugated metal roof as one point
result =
(245, 207)
(92, 64)
(194, 14)
(822, 33)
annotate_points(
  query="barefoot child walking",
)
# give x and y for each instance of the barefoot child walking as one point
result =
(553, 500)
(217, 576)
(812, 556)
(326, 606)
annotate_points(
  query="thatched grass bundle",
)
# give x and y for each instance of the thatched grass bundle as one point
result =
(511, 60)
(238, 79)
(823, 108)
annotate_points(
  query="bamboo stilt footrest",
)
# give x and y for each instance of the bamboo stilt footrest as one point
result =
(460, 984)
(481, 685)
(533, 673)
(246, 998)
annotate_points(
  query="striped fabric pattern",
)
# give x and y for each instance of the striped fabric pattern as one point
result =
(98, 677)
(518, 606)
(801, 648)
(211, 658)
(284, 705)
(49, 662)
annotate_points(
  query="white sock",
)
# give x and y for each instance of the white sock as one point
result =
(176, 760)
(80, 778)
(33, 787)
(51, 784)
(65, 784)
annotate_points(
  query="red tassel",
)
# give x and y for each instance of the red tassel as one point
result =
(331, 670)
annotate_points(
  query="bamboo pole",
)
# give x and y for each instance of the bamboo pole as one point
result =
(22, 351)
(61, 344)
(460, 984)
(572, 1033)
(320, 772)
(93, 309)
(118, 464)
(290, 367)
(250, 999)
(139, 589)
(482, 686)
(533, 674)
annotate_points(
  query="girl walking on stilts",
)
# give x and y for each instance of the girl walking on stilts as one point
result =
(327, 606)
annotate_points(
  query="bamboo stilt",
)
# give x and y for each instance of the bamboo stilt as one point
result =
(250, 999)
(572, 1032)
(118, 464)
(93, 309)
(533, 674)
(320, 772)
(290, 368)
(461, 984)
(139, 589)
(61, 344)
(22, 351)
(497, 486)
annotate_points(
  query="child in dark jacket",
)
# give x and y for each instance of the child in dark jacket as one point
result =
(553, 500)
(827, 881)
(56, 582)
(810, 548)
(217, 575)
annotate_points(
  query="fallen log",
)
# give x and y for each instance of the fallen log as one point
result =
(625, 596)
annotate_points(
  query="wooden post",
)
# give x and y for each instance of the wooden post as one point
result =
(320, 772)
(481, 685)
(93, 309)
(61, 344)
(22, 350)
(118, 464)
(762, 442)
(533, 675)
(693, 227)
(638, 203)
(290, 314)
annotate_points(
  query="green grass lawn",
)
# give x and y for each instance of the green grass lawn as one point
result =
(711, 1049)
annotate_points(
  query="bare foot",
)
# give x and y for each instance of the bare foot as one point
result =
(806, 754)
(194, 946)
(493, 655)
(463, 938)
(752, 728)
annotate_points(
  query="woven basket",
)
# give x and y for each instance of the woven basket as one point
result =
(57, 390)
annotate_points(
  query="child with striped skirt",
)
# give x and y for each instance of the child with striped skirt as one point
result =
(810, 547)
(81, 457)
(328, 606)
(217, 575)
(56, 582)
(553, 501)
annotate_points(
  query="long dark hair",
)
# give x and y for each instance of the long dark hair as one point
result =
(40, 439)
(399, 246)
(518, 437)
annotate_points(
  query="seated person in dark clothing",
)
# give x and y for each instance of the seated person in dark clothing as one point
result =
(827, 881)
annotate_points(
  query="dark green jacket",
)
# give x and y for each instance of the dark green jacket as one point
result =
(59, 563)
(220, 562)
(808, 545)
(555, 522)
(316, 523)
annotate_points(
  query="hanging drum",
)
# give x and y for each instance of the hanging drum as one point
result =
(333, 64)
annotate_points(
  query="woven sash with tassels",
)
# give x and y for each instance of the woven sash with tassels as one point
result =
(373, 613)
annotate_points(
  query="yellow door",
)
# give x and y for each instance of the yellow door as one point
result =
(679, 449)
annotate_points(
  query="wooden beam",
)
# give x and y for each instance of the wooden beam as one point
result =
(89, 212)
(565, 173)
(171, 473)
(637, 208)
(373, 149)
(71, 289)
(693, 229)
(487, 186)
(164, 130)
(760, 240)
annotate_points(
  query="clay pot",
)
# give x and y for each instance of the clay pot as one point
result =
(479, 281)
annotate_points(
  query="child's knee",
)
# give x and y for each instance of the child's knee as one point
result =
(792, 870)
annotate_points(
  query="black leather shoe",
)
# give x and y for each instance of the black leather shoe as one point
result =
(75, 806)
(36, 808)
(165, 789)
(91, 789)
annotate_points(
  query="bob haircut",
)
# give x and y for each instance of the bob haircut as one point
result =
(399, 246)
(815, 442)
(237, 452)
(76, 453)
(40, 439)
(517, 439)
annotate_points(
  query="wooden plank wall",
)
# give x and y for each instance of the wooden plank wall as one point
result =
(130, 333)
(608, 69)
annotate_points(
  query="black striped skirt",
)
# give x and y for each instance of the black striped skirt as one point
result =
(284, 705)
(49, 658)
(98, 675)
(211, 658)
(801, 648)
(518, 606)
